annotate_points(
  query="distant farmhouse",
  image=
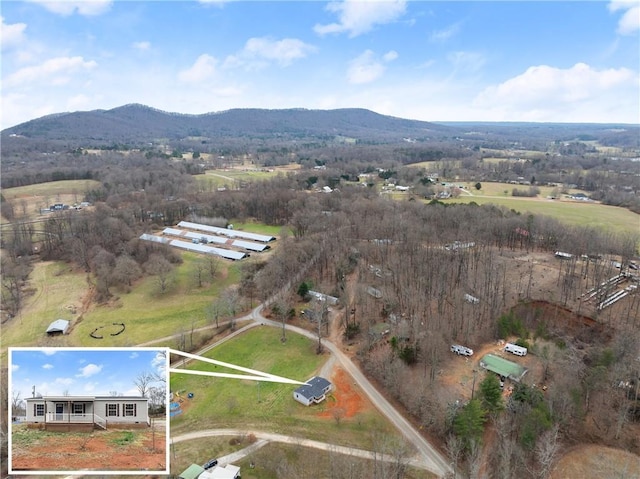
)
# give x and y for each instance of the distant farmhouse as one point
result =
(86, 413)
(313, 392)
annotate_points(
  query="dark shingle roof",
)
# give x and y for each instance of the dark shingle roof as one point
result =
(314, 388)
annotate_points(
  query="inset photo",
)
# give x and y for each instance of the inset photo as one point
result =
(88, 410)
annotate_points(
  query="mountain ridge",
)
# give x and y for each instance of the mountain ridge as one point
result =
(139, 122)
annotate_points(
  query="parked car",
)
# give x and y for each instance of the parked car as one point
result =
(456, 348)
(210, 464)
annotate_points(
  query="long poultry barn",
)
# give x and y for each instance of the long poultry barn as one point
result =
(196, 247)
(205, 238)
(229, 233)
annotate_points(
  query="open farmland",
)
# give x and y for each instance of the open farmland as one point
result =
(28, 200)
(233, 178)
(573, 213)
(62, 292)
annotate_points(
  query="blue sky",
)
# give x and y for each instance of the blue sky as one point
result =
(82, 372)
(574, 61)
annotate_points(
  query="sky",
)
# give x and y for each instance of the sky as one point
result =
(82, 371)
(544, 61)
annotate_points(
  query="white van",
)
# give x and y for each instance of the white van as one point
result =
(515, 349)
(456, 348)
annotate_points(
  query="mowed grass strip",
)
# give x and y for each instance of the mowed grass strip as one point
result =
(244, 404)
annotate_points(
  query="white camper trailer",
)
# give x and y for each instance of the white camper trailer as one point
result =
(515, 349)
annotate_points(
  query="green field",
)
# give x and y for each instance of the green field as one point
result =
(59, 292)
(610, 218)
(232, 403)
(51, 189)
(233, 178)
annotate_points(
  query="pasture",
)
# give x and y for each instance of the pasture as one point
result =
(60, 292)
(233, 403)
(575, 213)
(28, 200)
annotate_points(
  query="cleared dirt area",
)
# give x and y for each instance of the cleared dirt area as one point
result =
(115, 450)
(596, 462)
(345, 401)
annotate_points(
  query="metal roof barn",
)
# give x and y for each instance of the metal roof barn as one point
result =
(503, 367)
(227, 232)
(154, 238)
(200, 248)
(248, 245)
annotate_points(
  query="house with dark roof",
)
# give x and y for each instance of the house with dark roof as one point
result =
(314, 391)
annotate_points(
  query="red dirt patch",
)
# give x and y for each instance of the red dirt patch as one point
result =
(344, 397)
(98, 451)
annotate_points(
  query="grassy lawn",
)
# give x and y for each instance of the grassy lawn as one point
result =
(230, 403)
(315, 462)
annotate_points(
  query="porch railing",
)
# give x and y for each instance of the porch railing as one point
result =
(66, 417)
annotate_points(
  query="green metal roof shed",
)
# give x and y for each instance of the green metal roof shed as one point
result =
(192, 472)
(503, 367)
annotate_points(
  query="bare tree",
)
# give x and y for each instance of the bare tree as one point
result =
(545, 451)
(143, 382)
(158, 266)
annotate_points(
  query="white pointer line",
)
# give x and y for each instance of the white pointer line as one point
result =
(258, 375)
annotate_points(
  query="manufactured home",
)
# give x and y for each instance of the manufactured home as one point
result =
(515, 349)
(314, 391)
(85, 413)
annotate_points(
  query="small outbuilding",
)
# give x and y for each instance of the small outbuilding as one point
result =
(191, 472)
(503, 367)
(314, 391)
(222, 472)
(59, 326)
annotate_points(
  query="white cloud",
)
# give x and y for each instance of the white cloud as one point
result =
(142, 46)
(64, 381)
(390, 56)
(364, 69)
(89, 370)
(358, 17)
(545, 93)
(11, 34)
(49, 351)
(284, 51)
(47, 366)
(159, 363)
(629, 23)
(440, 36)
(259, 52)
(133, 355)
(55, 71)
(367, 68)
(203, 69)
(15, 367)
(81, 7)
(467, 62)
